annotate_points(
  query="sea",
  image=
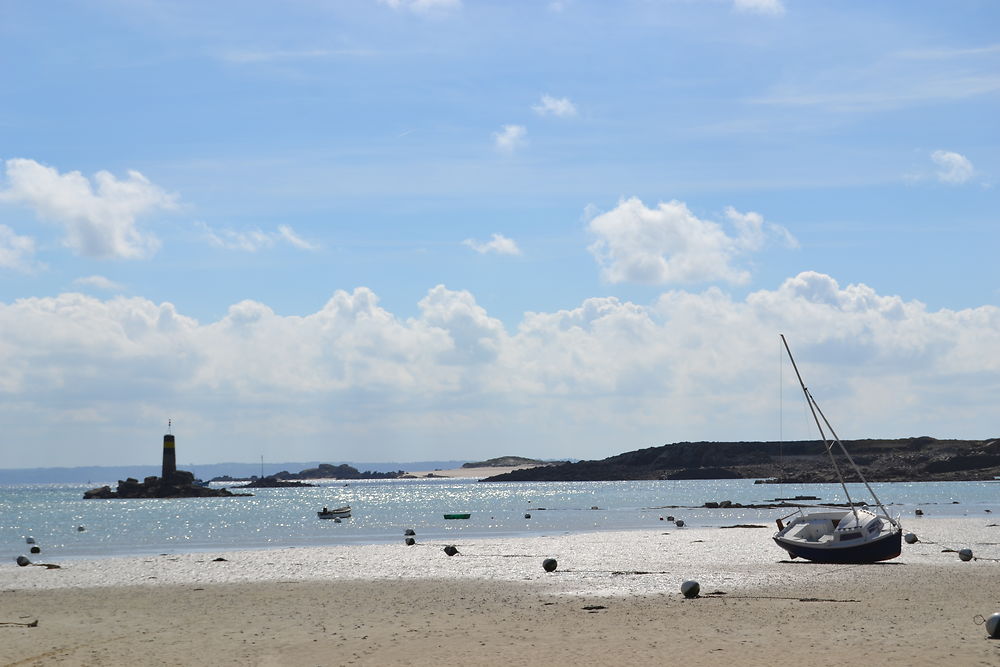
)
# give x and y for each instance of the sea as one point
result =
(64, 526)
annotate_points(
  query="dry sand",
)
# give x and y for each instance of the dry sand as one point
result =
(614, 600)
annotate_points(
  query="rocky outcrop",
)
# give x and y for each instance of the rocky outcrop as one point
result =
(271, 483)
(881, 460)
(509, 462)
(180, 485)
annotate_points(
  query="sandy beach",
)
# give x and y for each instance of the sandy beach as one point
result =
(614, 599)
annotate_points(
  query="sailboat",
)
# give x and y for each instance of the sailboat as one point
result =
(855, 534)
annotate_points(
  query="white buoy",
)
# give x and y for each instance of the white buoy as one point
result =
(690, 589)
(910, 538)
(993, 626)
(965, 554)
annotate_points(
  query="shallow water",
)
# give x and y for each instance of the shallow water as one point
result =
(383, 509)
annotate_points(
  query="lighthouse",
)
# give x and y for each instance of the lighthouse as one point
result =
(169, 456)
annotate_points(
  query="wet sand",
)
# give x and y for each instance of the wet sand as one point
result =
(614, 599)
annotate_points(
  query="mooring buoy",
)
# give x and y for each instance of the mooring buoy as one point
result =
(549, 564)
(993, 626)
(23, 561)
(527, 516)
(450, 550)
(690, 588)
(910, 538)
(679, 523)
(409, 531)
(35, 549)
(965, 554)
(410, 541)
(29, 540)
(919, 512)
(80, 529)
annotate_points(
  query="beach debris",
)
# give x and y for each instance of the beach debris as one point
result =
(919, 512)
(409, 541)
(32, 624)
(550, 564)
(35, 549)
(744, 525)
(409, 531)
(910, 538)
(220, 559)
(679, 523)
(451, 550)
(594, 607)
(965, 554)
(690, 588)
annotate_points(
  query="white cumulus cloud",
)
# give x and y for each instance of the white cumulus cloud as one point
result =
(551, 106)
(669, 244)
(510, 138)
(17, 252)
(953, 167)
(99, 219)
(499, 244)
(254, 239)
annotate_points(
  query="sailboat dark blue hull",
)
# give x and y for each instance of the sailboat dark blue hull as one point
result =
(883, 548)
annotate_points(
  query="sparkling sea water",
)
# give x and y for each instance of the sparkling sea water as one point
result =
(383, 509)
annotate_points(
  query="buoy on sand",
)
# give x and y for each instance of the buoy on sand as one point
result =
(410, 541)
(910, 538)
(550, 564)
(690, 589)
(23, 561)
(965, 554)
(450, 550)
(993, 626)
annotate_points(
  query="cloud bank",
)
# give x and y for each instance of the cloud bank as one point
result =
(603, 377)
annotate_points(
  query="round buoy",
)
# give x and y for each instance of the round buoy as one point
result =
(690, 589)
(35, 549)
(679, 523)
(450, 550)
(910, 538)
(410, 541)
(993, 626)
(23, 560)
(549, 564)
(409, 531)
(527, 516)
(80, 529)
(29, 540)
(965, 554)
(670, 518)
(919, 512)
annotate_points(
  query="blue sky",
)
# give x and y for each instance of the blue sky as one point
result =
(445, 229)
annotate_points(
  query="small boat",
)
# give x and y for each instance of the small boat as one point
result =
(458, 515)
(852, 534)
(336, 513)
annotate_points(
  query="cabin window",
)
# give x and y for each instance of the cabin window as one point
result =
(849, 536)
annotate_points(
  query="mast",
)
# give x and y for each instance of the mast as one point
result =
(818, 415)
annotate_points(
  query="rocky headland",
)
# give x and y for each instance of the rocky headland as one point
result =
(803, 461)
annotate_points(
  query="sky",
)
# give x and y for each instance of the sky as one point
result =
(402, 230)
